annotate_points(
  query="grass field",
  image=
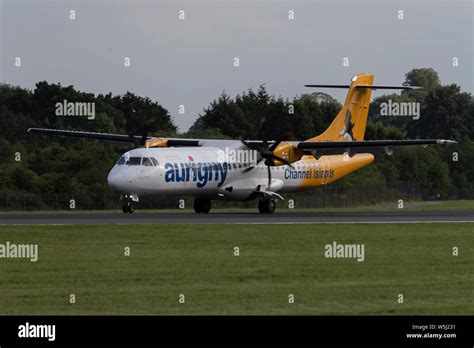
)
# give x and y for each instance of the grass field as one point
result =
(275, 260)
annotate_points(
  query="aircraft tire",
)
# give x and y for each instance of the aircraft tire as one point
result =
(266, 206)
(206, 206)
(201, 204)
(197, 205)
(131, 207)
(125, 208)
(270, 206)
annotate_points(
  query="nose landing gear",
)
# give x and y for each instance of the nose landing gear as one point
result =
(128, 205)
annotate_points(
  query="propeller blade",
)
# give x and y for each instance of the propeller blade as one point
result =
(274, 145)
(269, 176)
(283, 160)
(245, 143)
(253, 167)
(133, 140)
(144, 138)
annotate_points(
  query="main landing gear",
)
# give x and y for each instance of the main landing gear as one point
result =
(266, 206)
(202, 205)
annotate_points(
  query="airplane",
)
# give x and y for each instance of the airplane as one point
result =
(242, 170)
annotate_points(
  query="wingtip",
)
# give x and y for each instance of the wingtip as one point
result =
(446, 141)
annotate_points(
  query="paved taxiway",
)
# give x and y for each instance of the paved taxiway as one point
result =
(238, 218)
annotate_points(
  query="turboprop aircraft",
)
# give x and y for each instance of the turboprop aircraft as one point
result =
(241, 170)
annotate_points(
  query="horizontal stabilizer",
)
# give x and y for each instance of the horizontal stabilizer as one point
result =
(366, 87)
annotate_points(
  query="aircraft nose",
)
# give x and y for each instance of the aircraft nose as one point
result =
(117, 180)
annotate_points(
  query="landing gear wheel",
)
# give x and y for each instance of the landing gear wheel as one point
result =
(128, 207)
(266, 206)
(206, 206)
(202, 205)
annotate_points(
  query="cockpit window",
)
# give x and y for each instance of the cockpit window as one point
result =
(133, 161)
(146, 162)
(136, 161)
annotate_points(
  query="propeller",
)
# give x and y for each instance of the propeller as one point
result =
(144, 137)
(266, 153)
(144, 134)
(138, 142)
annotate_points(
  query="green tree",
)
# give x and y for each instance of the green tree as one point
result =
(224, 114)
(443, 114)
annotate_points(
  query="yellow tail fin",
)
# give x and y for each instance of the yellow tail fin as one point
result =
(350, 122)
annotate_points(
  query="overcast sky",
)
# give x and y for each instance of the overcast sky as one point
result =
(191, 61)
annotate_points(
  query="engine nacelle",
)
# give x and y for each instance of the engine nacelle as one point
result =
(157, 142)
(288, 151)
(245, 188)
(237, 190)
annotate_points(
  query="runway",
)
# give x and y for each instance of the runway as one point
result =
(238, 218)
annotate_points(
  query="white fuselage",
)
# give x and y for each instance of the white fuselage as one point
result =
(198, 172)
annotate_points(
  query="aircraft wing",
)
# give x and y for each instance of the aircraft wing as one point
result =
(369, 143)
(320, 148)
(134, 139)
(89, 135)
